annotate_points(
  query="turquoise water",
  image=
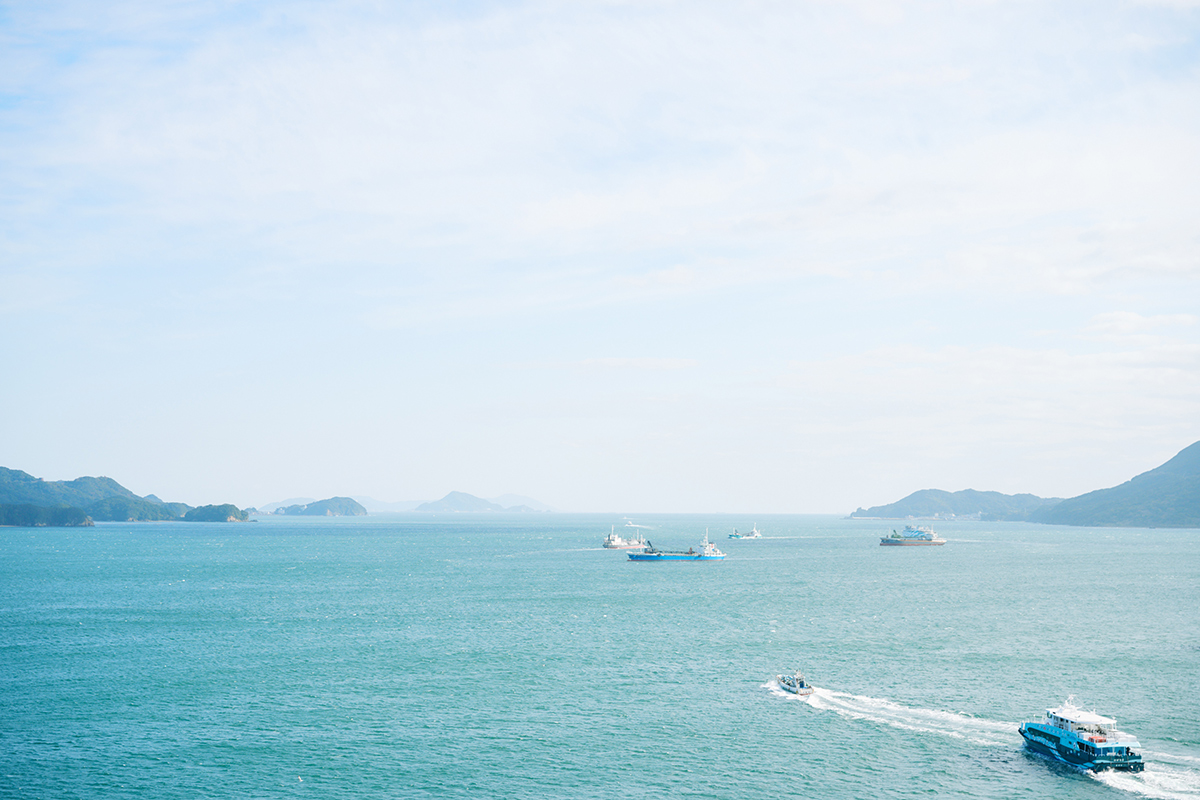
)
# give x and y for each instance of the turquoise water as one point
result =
(510, 656)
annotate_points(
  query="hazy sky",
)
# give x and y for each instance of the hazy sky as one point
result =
(618, 256)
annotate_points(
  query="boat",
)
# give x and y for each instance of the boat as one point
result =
(1082, 739)
(707, 552)
(614, 541)
(796, 684)
(753, 534)
(912, 537)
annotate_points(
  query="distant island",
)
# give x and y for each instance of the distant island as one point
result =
(1165, 497)
(96, 499)
(967, 504)
(461, 502)
(333, 507)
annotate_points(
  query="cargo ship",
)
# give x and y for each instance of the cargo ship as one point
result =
(707, 552)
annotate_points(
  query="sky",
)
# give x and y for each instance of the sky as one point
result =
(710, 257)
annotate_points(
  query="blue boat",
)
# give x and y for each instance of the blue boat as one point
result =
(1082, 739)
(707, 552)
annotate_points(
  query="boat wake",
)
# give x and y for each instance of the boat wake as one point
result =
(923, 720)
(1166, 776)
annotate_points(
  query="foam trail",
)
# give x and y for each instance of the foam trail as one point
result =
(1158, 780)
(923, 720)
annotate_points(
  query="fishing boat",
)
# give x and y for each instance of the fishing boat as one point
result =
(707, 552)
(912, 537)
(796, 684)
(614, 541)
(1082, 739)
(754, 533)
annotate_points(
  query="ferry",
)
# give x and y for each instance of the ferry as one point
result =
(754, 533)
(912, 537)
(1082, 739)
(707, 552)
(796, 684)
(614, 541)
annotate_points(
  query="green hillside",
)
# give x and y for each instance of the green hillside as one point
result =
(134, 509)
(226, 512)
(24, 515)
(1165, 497)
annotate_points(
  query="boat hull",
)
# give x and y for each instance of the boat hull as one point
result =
(673, 557)
(894, 543)
(1044, 742)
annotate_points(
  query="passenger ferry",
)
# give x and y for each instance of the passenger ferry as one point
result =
(912, 536)
(796, 684)
(1082, 739)
(707, 552)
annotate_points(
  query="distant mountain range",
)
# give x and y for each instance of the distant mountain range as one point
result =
(970, 504)
(1167, 497)
(460, 502)
(333, 507)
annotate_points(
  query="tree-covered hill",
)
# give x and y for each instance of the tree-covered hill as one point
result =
(21, 487)
(1165, 497)
(227, 512)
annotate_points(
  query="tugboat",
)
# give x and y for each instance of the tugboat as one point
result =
(707, 552)
(753, 534)
(1082, 739)
(796, 684)
(614, 541)
(912, 536)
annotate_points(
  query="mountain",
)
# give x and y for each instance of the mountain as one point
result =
(967, 503)
(21, 487)
(460, 501)
(333, 507)
(1165, 497)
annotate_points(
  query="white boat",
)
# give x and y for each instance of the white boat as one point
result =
(796, 684)
(615, 542)
(753, 534)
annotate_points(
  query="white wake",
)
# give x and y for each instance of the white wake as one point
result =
(923, 720)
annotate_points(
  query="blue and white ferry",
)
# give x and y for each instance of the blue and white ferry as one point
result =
(1082, 739)
(912, 537)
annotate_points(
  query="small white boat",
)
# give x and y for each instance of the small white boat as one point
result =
(796, 684)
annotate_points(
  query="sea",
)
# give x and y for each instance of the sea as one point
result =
(510, 656)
